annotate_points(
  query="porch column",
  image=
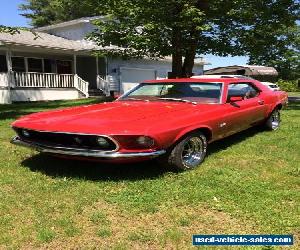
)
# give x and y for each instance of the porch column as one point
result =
(8, 60)
(10, 77)
(97, 65)
(75, 63)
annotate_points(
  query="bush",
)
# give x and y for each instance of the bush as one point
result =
(288, 86)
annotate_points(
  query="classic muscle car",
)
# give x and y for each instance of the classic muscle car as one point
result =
(171, 119)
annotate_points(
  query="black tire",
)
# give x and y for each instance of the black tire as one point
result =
(273, 122)
(179, 157)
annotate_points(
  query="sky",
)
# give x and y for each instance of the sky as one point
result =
(10, 16)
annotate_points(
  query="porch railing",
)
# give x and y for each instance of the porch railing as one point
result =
(42, 80)
(81, 85)
(3, 80)
(108, 84)
(48, 80)
(103, 85)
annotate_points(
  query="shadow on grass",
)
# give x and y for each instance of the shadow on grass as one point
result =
(94, 171)
(233, 139)
(12, 115)
(98, 171)
(13, 111)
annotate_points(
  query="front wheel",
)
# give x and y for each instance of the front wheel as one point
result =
(188, 153)
(273, 122)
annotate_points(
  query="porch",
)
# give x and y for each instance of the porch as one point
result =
(38, 77)
(46, 68)
(28, 86)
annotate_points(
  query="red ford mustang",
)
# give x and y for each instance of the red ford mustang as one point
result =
(172, 119)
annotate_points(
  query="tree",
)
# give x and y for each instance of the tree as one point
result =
(184, 28)
(46, 12)
(284, 56)
(10, 30)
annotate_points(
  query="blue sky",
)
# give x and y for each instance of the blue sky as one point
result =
(10, 16)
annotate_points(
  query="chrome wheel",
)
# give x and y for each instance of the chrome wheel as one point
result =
(192, 153)
(275, 119)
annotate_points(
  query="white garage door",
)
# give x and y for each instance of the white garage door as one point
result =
(130, 77)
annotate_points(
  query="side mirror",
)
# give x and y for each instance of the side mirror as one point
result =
(236, 98)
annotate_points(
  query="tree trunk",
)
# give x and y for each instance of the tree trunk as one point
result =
(190, 54)
(189, 60)
(177, 54)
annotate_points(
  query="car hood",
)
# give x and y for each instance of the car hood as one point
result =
(118, 117)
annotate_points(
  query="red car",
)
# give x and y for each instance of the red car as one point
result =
(172, 119)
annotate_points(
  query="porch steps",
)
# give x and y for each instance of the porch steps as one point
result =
(96, 93)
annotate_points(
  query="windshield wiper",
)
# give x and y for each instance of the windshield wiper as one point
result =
(177, 100)
(134, 99)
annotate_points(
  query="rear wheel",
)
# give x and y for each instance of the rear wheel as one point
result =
(273, 122)
(188, 153)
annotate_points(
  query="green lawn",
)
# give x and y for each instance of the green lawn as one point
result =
(249, 183)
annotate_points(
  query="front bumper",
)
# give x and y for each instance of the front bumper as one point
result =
(85, 152)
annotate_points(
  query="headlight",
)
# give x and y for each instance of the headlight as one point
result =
(25, 133)
(102, 142)
(132, 142)
(145, 141)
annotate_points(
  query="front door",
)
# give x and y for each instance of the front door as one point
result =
(243, 114)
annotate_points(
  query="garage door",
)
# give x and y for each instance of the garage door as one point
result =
(130, 77)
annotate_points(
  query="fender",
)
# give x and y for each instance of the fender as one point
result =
(208, 132)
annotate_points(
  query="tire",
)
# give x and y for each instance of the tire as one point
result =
(273, 122)
(188, 153)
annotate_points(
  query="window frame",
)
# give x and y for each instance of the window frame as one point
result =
(36, 58)
(251, 84)
(222, 87)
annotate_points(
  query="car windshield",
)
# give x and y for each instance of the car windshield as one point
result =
(193, 92)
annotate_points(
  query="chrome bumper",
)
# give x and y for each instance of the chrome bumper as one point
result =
(84, 152)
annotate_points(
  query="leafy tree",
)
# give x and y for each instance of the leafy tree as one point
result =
(284, 56)
(184, 28)
(10, 30)
(45, 12)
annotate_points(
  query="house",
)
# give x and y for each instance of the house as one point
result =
(56, 62)
(261, 73)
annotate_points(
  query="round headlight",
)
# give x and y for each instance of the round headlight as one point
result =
(102, 142)
(145, 141)
(25, 133)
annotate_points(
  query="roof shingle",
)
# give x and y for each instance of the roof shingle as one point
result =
(44, 40)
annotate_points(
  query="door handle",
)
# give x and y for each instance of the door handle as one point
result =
(261, 102)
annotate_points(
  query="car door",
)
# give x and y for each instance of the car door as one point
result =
(243, 114)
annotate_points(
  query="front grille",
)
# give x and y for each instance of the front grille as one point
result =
(65, 140)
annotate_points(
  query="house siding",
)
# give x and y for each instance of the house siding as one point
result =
(160, 67)
(76, 32)
(4, 96)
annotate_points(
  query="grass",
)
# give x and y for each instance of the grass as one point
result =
(249, 184)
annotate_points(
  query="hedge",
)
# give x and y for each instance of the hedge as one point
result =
(289, 86)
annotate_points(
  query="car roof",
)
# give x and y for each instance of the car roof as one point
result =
(206, 80)
(221, 76)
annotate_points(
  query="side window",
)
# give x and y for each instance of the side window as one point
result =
(243, 89)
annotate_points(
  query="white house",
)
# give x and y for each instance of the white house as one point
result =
(56, 63)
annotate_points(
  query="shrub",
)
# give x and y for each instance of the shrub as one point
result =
(289, 86)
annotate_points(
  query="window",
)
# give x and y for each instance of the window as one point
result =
(18, 64)
(35, 64)
(64, 67)
(245, 90)
(201, 92)
(3, 64)
(48, 65)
